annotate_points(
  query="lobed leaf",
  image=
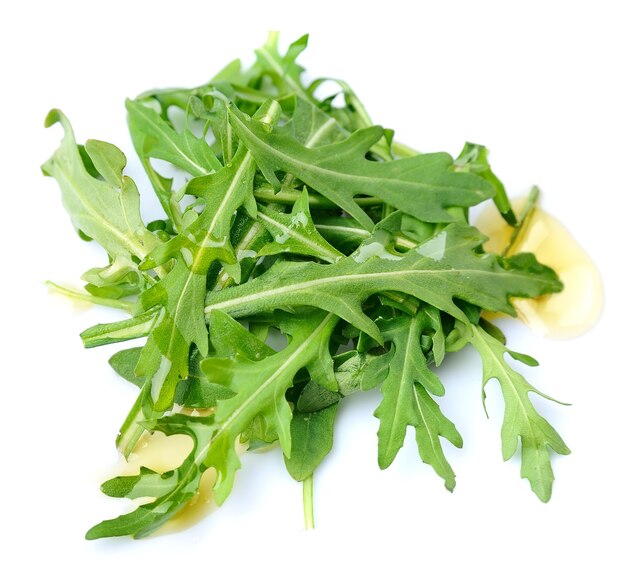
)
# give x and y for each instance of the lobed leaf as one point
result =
(423, 185)
(442, 269)
(295, 233)
(406, 400)
(107, 209)
(521, 421)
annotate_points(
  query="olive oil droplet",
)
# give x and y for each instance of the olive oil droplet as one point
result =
(578, 307)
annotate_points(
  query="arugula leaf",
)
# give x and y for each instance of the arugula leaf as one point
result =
(312, 440)
(94, 298)
(431, 425)
(196, 391)
(129, 329)
(405, 398)
(107, 209)
(521, 421)
(441, 269)
(340, 171)
(153, 137)
(359, 371)
(296, 233)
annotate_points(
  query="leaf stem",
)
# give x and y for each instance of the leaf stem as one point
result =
(307, 502)
(288, 196)
(402, 150)
(525, 220)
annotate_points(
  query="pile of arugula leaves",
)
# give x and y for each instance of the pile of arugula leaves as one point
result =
(297, 220)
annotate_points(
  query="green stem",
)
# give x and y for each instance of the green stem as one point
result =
(404, 243)
(402, 150)
(307, 502)
(525, 220)
(287, 196)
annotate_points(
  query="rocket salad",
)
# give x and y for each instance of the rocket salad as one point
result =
(296, 219)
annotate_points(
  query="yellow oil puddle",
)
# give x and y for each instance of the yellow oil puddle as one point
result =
(578, 307)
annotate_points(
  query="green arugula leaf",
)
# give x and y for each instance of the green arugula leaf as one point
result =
(312, 440)
(129, 329)
(295, 233)
(521, 421)
(432, 424)
(196, 391)
(353, 116)
(359, 371)
(406, 400)
(107, 210)
(153, 137)
(103, 300)
(441, 269)
(121, 279)
(340, 171)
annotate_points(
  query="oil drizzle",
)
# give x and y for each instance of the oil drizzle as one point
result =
(578, 307)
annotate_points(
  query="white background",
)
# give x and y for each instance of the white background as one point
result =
(539, 83)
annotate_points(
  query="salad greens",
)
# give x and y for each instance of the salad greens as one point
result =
(298, 223)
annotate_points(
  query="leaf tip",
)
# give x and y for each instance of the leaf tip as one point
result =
(54, 116)
(543, 492)
(94, 533)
